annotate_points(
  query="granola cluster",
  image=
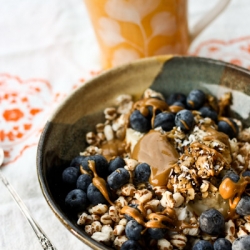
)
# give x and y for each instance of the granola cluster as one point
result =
(193, 182)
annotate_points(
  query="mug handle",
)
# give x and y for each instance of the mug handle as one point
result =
(209, 17)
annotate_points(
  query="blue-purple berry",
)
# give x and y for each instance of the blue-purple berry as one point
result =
(246, 173)
(95, 196)
(209, 112)
(118, 178)
(232, 175)
(165, 120)
(212, 222)
(156, 233)
(176, 107)
(70, 175)
(195, 99)
(142, 173)
(184, 119)
(76, 200)
(242, 243)
(131, 245)
(128, 217)
(83, 182)
(176, 97)
(77, 161)
(101, 165)
(243, 206)
(117, 162)
(139, 122)
(203, 245)
(229, 127)
(133, 230)
(222, 244)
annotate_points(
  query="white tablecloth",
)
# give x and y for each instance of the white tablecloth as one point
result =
(47, 49)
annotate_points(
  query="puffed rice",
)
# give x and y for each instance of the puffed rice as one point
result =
(128, 190)
(164, 244)
(99, 209)
(119, 230)
(110, 113)
(119, 240)
(101, 237)
(106, 219)
(167, 200)
(143, 195)
(91, 138)
(178, 240)
(95, 226)
(113, 213)
(84, 219)
(179, 199)
(121, 202)
(230, 230)
(108, 132)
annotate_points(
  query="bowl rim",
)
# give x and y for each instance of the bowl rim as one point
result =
(42, 179)
(140, 62)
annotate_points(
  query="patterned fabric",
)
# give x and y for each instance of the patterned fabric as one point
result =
(48, 49)
(236, 51)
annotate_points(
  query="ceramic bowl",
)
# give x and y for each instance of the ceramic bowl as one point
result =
(64, 134)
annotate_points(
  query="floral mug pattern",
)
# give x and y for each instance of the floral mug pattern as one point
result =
(131, 29)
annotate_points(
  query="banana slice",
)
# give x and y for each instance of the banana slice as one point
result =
(132, 137)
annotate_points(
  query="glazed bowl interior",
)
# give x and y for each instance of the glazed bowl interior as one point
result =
(64, 134)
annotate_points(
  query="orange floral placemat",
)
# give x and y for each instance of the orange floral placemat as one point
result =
(47, 49)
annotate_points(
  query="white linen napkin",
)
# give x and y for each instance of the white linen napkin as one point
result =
(47, 49)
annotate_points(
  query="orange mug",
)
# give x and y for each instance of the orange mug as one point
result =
(127, 30)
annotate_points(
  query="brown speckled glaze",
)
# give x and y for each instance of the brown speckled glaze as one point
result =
(64, 134)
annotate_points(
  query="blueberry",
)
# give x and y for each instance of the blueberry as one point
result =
(83, 182)
(95, 196)
(203, 245)
(176, 107)
(229, 127)
(212, 222)
(208, 112)
(77, 162)
(101, 165)
(232, 175)
(241, 243)
(184, 119)
(243, 207)
(70, 175)
(128, 217)
(222, 244)
(133, 230)
(164, 120)
(118, 178)
(156, 233)
(115, 163)
(130, 245)
(176, 97)
(151, 112)
(246, 173)
(142, 172)
(76, 200)
(179, 104)
(139, 122)
(196, 99)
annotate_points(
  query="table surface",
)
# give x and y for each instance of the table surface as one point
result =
(47, 49)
